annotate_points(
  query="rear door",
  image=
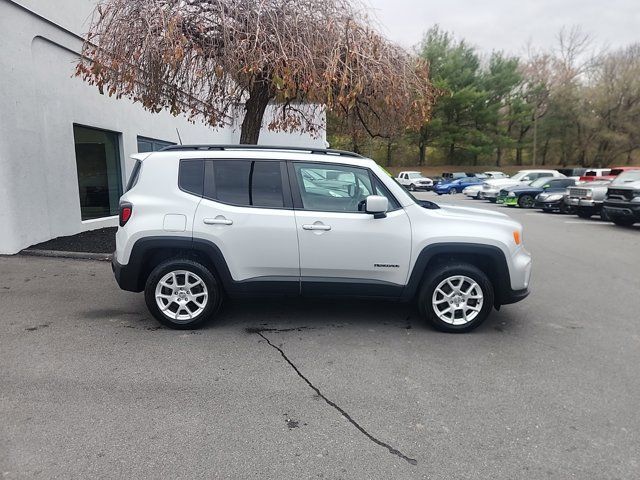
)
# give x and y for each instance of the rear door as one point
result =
(343, 250)
(247, 213)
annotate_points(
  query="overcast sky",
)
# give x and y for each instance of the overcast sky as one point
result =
(509, 24)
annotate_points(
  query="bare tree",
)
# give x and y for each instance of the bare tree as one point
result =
(208, 58)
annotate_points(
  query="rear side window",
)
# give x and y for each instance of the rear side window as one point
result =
(246, 183)
(135, 173)
(191, 176)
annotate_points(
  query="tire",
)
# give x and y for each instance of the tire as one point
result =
(622, 221)
(453, 191)
(492, 200)
(547, 210)
(412, 188)
(526, 201)
(604, 216)
(584, 213)
(436, 280)
(181, 300)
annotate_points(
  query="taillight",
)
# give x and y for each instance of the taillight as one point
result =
(126, 209)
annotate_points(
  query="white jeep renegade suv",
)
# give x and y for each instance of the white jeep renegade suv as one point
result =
(199, 223)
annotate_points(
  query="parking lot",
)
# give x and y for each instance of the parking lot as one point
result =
(546, 388)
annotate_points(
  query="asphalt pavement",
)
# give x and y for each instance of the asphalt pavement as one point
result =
(92, 387)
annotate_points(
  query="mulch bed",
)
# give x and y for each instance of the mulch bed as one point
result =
(94, 241)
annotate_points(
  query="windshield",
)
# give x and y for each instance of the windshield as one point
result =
(415, 175)
(541, 182)
(626, 177)
(519, 176)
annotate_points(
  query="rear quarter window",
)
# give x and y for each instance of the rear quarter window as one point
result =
(191, 176)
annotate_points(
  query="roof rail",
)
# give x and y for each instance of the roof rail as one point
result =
(317, 151)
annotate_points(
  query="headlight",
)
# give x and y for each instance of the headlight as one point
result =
(511, 194)
(554, 198)
(636, 196)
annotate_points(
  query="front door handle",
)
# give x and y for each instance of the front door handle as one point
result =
(316, 226)
(219, 220)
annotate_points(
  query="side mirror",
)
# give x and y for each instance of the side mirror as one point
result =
(377, 205)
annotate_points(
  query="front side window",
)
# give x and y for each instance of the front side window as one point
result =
(334, 188)
(338, 188)
(246, 183)
(99, 173)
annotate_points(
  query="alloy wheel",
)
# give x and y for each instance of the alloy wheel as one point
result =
(457, 300)
(181, 295)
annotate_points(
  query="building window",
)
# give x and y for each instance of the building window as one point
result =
(99, 174)
(151, 144)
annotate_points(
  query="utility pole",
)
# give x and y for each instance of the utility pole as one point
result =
(535, 137)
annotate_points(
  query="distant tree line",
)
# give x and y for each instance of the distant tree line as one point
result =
(563, 106)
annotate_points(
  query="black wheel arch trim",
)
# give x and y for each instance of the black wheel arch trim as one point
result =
(499, 275)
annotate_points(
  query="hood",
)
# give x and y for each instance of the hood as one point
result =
(454, 211)
(523, 189)
(499, 182)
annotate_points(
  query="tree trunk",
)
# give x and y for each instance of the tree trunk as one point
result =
(543, 156)
(498, 156)
(519, 154)
(256, 104)
(389, 147)
(452, 150)
(422, 146)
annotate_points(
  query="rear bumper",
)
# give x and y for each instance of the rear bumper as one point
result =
(126, 275)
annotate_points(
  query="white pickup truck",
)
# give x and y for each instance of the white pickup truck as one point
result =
(414, 181)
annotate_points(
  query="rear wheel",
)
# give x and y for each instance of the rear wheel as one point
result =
(182, 294)
(584, 212)
(526, 201)
(456, 298)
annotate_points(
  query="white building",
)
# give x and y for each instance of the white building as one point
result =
(64, 148)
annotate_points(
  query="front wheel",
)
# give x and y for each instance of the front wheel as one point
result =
(182, 294)
(453, 191)
(412, 187)
(623, 222)
(456, 298)
(526, 201)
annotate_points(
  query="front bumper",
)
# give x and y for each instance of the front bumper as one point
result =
(622, 209)
(545, 205)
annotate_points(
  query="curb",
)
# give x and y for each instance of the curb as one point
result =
(103, 257)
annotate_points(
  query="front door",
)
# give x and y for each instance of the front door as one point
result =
(344, 250)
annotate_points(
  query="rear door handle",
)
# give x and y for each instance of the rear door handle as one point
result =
(316, 227)
(219, 220)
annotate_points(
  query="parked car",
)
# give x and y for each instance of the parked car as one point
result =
(450, 176)
(574, 173)
(622, 203)
(554, 201)
(200, 223)
(597, 174)
(495, 174)
(414, 181)
(473, 191)
(491, 187)
(587, 199)
(457, 185)
(524, 196)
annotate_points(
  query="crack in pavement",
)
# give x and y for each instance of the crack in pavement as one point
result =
(375, 440)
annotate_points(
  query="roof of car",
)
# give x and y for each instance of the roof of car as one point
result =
(231, 152)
